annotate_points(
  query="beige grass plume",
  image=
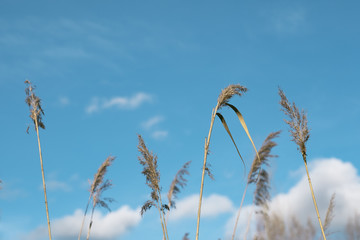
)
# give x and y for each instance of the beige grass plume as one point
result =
(300, 135)
(149, 161)
(259, 176)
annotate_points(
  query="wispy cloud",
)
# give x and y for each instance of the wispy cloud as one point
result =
(160, 134)
(152, 122)
(132, 102)
(54, 185)
(213, 206)
(64, 101)
(328, 176)
(289, 21)
(109, 226)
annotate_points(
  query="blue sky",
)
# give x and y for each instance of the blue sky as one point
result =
(108, 71)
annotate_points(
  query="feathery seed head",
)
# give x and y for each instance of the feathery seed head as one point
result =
(99, 176)
(34, 103)
(264, 154)
(149, 162)
(297, 122)
(227, 93)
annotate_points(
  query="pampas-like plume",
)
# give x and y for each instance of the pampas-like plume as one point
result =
(227, 93)
(264, 154)
(178, 182)
(36, 112)
(258, 175)
(98, 186)
(298, 123)
(300, 135)
(149, 161)
(329, 213)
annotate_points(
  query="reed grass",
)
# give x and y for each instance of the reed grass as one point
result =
(36, 113)
(300, 134)
(258, 175)
(98, 186)
(222, 101)
(149, 161)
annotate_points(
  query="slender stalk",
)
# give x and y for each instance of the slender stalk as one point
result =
(163, 218)
(90, 224)
(161, 221)
(238, 213)
(82, 223)
(207, 143)
(43, 177)
(314, 200)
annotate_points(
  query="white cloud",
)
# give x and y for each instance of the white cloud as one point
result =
(109, 226)
(119, 102)
(160, 134)
(327, 176)
(64, 101)
(212, 206)
(57, 185)
(152, 121)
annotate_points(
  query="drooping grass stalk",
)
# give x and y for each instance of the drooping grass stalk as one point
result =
(223, 99)
(178, 182)
(97, 187)
(300, 135)
(254, 176)
(36, 112)
(149, 161)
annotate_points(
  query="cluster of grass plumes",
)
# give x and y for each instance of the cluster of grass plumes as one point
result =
(270, 225)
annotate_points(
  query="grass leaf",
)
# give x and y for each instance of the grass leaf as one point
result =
(242, 121)
(222, 119)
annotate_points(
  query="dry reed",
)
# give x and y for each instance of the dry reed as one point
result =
(36, 113)
(222, 101)
(149, 161)
(98, 186)
(300, 135)
(257, 175)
